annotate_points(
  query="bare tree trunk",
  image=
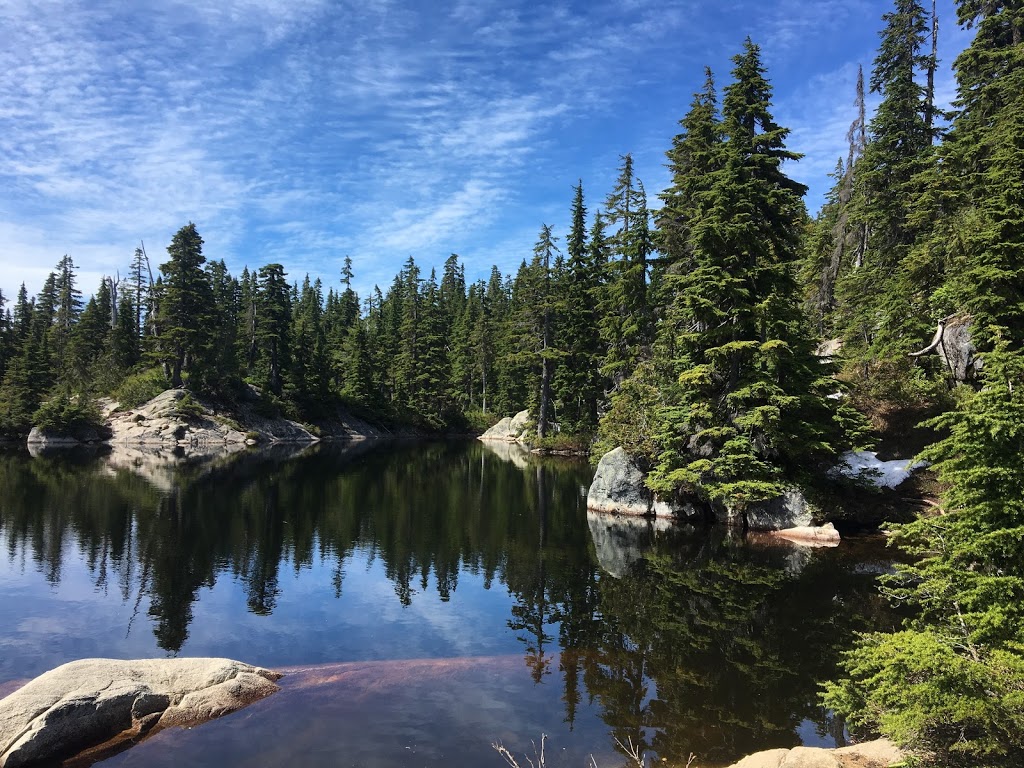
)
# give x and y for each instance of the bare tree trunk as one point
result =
(933, 62)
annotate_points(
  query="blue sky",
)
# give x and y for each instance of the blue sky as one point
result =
(299, 131)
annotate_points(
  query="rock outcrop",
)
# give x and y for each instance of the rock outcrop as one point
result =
(509, 429)
(954, 344)
(98, 704)
(619, 487)
(48, 438)
(175, 418)
(880, 753)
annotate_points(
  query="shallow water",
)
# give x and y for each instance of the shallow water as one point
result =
(426, 600)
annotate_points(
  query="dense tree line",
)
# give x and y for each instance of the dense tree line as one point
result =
(687, 333)
(553, 337)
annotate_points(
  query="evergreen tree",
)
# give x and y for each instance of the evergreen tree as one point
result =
(578, 380)
(225, 311)
(125, 337)
(273, 327)
(22, 318)
(948, 685)
(88, 344)
(432, 364)
(542, 253)
(410, 328)
(310, 374)
(878, 325)
(139, 280)
(980, 236)
(186, 343)
(626, 317)
(749, 404)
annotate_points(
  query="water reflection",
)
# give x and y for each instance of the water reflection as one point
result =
(677, 640)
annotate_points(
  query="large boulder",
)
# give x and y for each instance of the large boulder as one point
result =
(97, 704)
(957, 349)
(48, 438)
(880, 753)
(619, 487)
(790, 510)
(811, 535)
(509, 429)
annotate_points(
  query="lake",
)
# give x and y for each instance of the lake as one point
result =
(426, 601)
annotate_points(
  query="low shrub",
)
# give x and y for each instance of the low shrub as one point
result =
(140, 388)
(66, 412)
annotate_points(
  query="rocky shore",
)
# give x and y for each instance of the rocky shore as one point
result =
(177, 418)
(97, 706)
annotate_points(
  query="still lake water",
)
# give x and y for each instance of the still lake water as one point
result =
(427, 600)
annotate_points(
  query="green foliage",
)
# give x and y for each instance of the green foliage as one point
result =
(186, 407)
(951, 683)
(138, 388)
(633, 418)
(746, 404)
(186, 344)
(67, 413)
(478, 422)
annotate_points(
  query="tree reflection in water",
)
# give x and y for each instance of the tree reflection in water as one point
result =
(701, 644)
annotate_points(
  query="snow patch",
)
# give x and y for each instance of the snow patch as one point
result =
(882, 474)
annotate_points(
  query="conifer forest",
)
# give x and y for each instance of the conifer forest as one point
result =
(730, 340)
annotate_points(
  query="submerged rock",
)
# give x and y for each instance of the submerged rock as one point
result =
(97, 704)
(811, 535)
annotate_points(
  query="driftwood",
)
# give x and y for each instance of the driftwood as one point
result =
(952, 342)
(936, 340)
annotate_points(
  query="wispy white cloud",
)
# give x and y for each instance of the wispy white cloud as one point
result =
(300, 131)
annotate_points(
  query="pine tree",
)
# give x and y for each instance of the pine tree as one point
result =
(225, 312)
(877, 323)
(432, 366)
(407, 310)
(22, 319)
(66, 310)
(125, 348)
(549, 356)
(626, 317)
(980, 237)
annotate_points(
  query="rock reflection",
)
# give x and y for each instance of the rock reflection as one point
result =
(678, 640)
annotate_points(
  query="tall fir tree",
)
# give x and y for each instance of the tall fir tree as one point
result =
(578, 382)
(748, 409)
(186, 343)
